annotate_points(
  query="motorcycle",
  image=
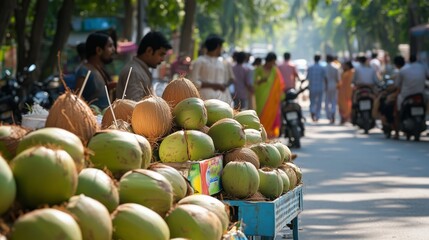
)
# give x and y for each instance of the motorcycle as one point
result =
(292, 119)
(412, 116)
(9, 99)
(386, 107)
(362, 108)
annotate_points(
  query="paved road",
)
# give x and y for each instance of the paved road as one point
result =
(360, 186)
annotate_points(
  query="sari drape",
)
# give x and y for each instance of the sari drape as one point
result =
(269, 88)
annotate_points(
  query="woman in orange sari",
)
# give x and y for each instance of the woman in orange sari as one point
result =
(269, 86)
(345, 92)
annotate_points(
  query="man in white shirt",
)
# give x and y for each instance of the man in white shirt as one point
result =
(375, 64)
(411, 80)
(209, 74)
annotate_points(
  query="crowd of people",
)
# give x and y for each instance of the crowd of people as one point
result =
(259, 85)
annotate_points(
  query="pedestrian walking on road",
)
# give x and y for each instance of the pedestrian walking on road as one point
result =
(332, 79)
(345, 91)
(288, 71)
(242, 85)
(316, 76)
(269, 88)
(209, 74)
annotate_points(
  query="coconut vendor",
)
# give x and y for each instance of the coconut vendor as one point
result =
(210, 75)
(151, 52)
(99, 49)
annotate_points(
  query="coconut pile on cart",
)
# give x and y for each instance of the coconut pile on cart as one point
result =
(146, 172)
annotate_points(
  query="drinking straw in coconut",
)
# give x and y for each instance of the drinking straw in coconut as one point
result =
(110, 106)
(84, 83)
(126, 84)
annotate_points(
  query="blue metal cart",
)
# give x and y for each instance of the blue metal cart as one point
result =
(267, 219)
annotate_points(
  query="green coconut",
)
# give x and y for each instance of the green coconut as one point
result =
(132, 221)
(241, 154)
(53, 136)
(252, 136)
(44, 176)
(117, 150)
(10, 136)
(212, 204)
(285, 180)
(217, 110)
(173, 176)
(268, 155)
(291, 175)
(46, 224)
(7, 186)
(227, 134)
(194, 222)
(92, 216)
(146, 150)
(297, 170)
(271, 184)
(182, 146)
(240, 179)
(148, 188)
(190, 114)
(249, 119)
(284, 151)
(98, 185)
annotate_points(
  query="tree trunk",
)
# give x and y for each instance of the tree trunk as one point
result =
(6, 11)
(141, 5)
(20, 23)
(37, 31)
(413, 20)
(61, 34)
(128, 20)
(347, 39)
(187, 27)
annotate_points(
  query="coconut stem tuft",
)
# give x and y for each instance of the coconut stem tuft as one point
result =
(60, 70)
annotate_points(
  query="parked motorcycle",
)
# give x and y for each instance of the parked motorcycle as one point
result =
(362, 108)
(292, 119)
(9, 99)
(412, 116)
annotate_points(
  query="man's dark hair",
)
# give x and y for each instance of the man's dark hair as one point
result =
(399, 61)
(240, 57)
(286, 56)
(155, 40)
(413, 58)
(329, 58)
(81, 50)
(317, 57)
(212, 42)
(93, 41)
(362, 59)
(257, 61)
(349, 64)
(270, 57)
(374, 55)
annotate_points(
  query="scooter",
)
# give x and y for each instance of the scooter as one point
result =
(386, 108)
(292, 119)
(362, 108)
(412, 116)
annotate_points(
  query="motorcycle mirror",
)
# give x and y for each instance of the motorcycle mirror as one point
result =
(8, 73)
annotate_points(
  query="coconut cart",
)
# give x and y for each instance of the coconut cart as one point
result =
(266, 219)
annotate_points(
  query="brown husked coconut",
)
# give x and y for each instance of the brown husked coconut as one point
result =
(152, 118)
(10, 135)
(121, 125)
(73, 114)
(242, 154)
(178, 90)
(123, 109)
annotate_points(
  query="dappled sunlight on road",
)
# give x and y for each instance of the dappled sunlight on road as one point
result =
(359, 186)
